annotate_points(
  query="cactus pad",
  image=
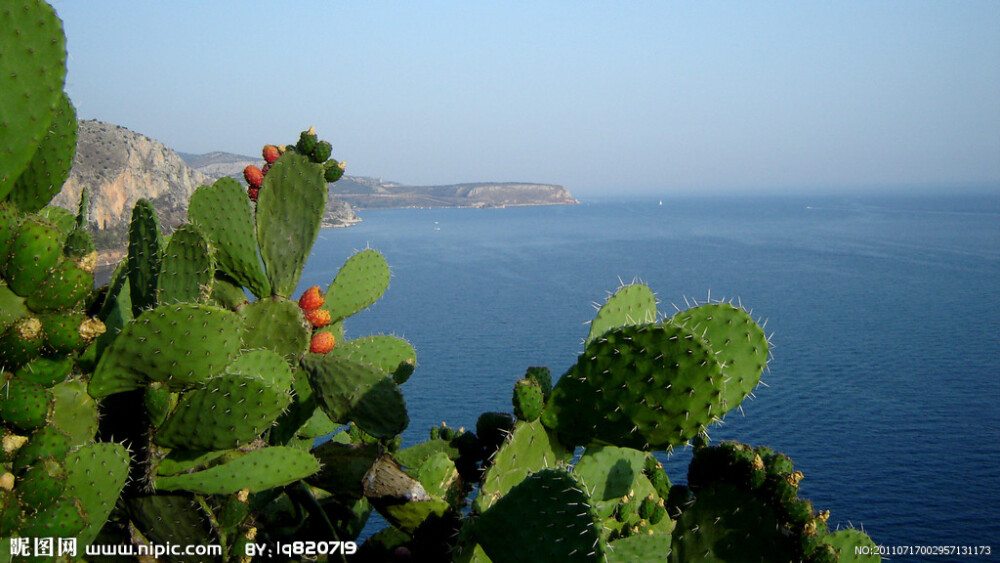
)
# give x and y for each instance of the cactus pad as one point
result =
(32, 83)
(37, 248)
(230, 411)
(647, 387)
(289, 212)
(144, 256)
(257, 471)
(96, 474)
(74, 411)
(24, 405)
(631, 305)
(547, 517)
(49, 168)
(528, 449)
(276, 324)
(187, 268)
(740, 344)
(351, 391)
(182, 345)
(222, 212)
(360, 282)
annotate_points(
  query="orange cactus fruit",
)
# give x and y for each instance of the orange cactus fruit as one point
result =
(319, 318)
(311, 299)
(322, 342)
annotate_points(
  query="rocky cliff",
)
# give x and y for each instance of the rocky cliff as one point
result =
(119, 167)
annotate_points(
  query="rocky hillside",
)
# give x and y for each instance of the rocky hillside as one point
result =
(120, 166)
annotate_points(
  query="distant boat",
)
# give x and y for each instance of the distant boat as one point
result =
(661, 202)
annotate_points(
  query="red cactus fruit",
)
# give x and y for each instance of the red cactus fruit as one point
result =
(270, 153)
(265, 168)
(253, 192)
(311, 299)
(322, 342)
(253, 176)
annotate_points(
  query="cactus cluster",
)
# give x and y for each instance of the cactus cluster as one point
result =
(308, 145)
(181, 403)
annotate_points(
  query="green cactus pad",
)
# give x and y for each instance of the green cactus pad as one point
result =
(159, 402)
(37, 248)
(226, 292)
(65, 287)
(631, 305)
(187, 269)
(360, 282)
(276, 324)
(182, 345)
(12, 307)
(230, 411)
(80, 246)
(145, 247)
(257, 471)
(263, 364)
(62, 219)
(74, 411)
(47, 441)
(414, 456)
(547, 517)
(10, 222)
(640, 548)
(64, 518)
(440, 478)
(49, 168)
(528, 449)
(65, 332)
(351, 391)
(289, 212)
(170, 518)
(388, 353)
(528, 400)
(24, 405)
(21, 343)
(740, 344)
(222, 212)
(609, 474)
(645, 387)
(725, 524)
(845, 541)
(32, 72)
(11, 516)
(96, 474)
(42, 483)
(46, 371)
(187, 461)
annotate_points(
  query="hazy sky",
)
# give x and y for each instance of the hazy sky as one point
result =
(657, 97)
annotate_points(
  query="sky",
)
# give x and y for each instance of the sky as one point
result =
(601, 97)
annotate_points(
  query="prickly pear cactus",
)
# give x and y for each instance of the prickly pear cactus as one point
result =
(170, 407)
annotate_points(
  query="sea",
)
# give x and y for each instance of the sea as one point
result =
(883, 312)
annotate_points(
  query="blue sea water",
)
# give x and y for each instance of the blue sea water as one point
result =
(884, 313)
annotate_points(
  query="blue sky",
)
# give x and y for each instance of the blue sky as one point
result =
(657, 97)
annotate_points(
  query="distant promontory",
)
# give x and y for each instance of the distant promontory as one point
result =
(363, 192)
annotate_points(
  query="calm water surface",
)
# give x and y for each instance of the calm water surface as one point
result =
(885, 377)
